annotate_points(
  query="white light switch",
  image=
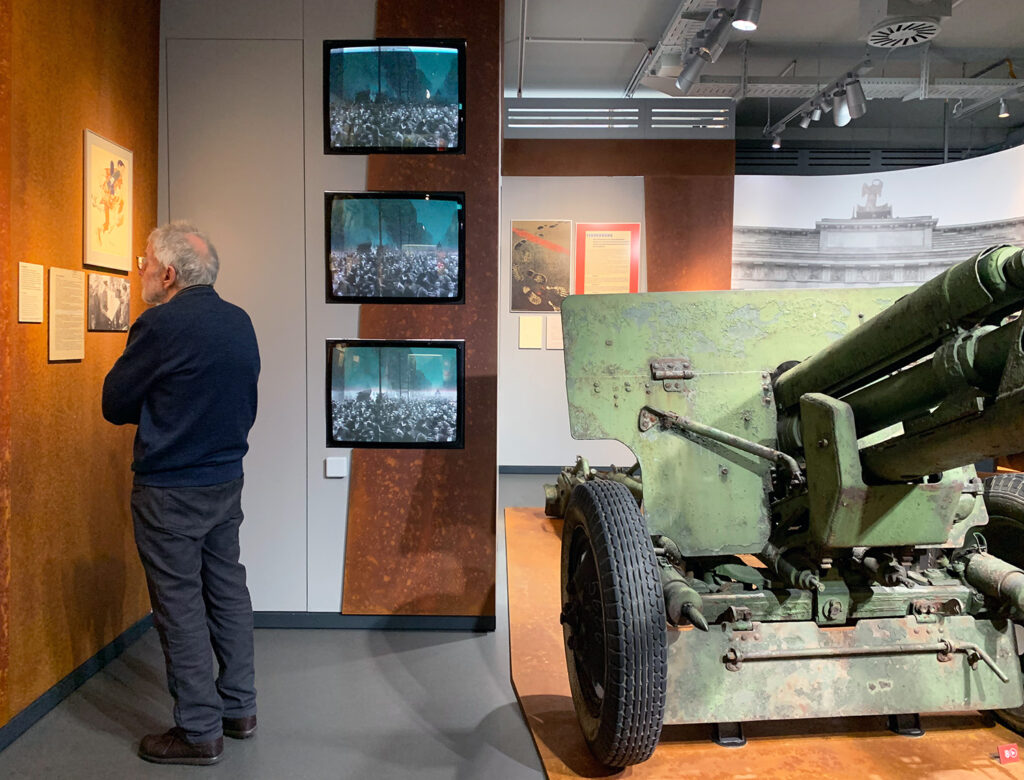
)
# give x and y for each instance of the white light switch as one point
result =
(336, 467)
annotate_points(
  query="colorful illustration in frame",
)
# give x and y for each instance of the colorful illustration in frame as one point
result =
(107, 204)
(540, 264)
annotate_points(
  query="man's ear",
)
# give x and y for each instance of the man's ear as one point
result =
(170, 276)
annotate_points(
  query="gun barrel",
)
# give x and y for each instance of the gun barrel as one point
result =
(974, 359)
(987, 286)
(988, 433)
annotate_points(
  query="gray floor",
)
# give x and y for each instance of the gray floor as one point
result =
(333, 704)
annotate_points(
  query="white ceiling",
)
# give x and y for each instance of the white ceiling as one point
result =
(816, 33)
(591, 48)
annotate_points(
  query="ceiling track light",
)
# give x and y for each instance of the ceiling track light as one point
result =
(776, 141)
(709, 43)
(714, 40)
(844, 97)
(856, 102)
(747, 15)
(962, 111)
(840, 109)
(692, 66)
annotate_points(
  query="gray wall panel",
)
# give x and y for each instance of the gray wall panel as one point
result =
(241, 152)
(327, 498)
(232, 18)
(235, 167)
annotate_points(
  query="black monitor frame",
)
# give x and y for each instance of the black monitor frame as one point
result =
(331, 197)
(460, 426)
(447, 43)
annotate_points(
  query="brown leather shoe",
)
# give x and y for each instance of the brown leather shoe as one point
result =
(240, 728)
(172, 748)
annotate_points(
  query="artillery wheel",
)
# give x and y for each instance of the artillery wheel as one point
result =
(613, 616)
(1004, 500)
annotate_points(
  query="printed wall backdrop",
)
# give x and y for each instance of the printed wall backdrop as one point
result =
(895, 228)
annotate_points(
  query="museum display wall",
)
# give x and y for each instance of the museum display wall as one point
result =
(533, 427)
(681, 193)
(896, 227)
(399, 533)
(70, 581)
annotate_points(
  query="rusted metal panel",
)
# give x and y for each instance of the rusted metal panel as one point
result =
(881, 666)
(421, 534)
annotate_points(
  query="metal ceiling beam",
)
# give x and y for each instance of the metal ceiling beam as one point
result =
(687, 21)
(808, 86)
(522, 45)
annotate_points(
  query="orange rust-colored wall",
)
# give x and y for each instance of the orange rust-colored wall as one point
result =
(689, 231)
(7, 292)
(75, 580)
(421, 524)
(688, 192)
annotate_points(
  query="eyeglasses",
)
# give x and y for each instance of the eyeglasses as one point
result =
(140, 261)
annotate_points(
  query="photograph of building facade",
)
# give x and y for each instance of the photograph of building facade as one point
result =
(871, 247)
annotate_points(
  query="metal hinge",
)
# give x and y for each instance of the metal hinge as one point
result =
(672, 368)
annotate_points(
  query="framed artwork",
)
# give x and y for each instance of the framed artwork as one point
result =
(389, 393)
(539, 279)
(107, 204)
(108, 303)
(607, 257)
(396, 95)
(395, 247)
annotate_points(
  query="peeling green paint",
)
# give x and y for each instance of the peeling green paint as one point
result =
(733, 340)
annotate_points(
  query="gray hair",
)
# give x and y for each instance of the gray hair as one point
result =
(194, 261)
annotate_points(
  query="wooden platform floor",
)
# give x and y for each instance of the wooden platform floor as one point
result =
(954, 746)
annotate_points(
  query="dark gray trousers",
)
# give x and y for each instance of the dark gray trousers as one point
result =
(188, 542)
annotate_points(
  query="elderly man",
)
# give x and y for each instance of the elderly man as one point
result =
(187, 378)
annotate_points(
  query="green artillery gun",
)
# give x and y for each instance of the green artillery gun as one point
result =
(813, 539)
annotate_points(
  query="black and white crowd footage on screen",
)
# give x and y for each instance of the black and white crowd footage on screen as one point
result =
(390, 272)
(388, 125)
(395, 393)
(381, 417)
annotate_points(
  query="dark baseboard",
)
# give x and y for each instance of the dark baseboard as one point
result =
(478, 623)
(25, 719)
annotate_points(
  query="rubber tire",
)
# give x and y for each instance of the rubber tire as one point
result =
(604, 520)
(1004, 500)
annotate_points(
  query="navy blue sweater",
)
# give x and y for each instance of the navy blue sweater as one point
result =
(187, 378)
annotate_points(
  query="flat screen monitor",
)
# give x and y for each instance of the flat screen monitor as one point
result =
(395, 95)
(388, 393)
(395, 247)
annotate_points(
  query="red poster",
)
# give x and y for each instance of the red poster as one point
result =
(607, 257)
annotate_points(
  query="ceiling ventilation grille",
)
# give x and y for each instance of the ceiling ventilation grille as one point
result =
(903, 32)
(760, 159)
(618, 118)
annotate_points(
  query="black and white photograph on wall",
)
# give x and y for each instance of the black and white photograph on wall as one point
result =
(540, 271)
(893, 228)
(397, 247)
(394, 95)
(108, 303)
(395, 394)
